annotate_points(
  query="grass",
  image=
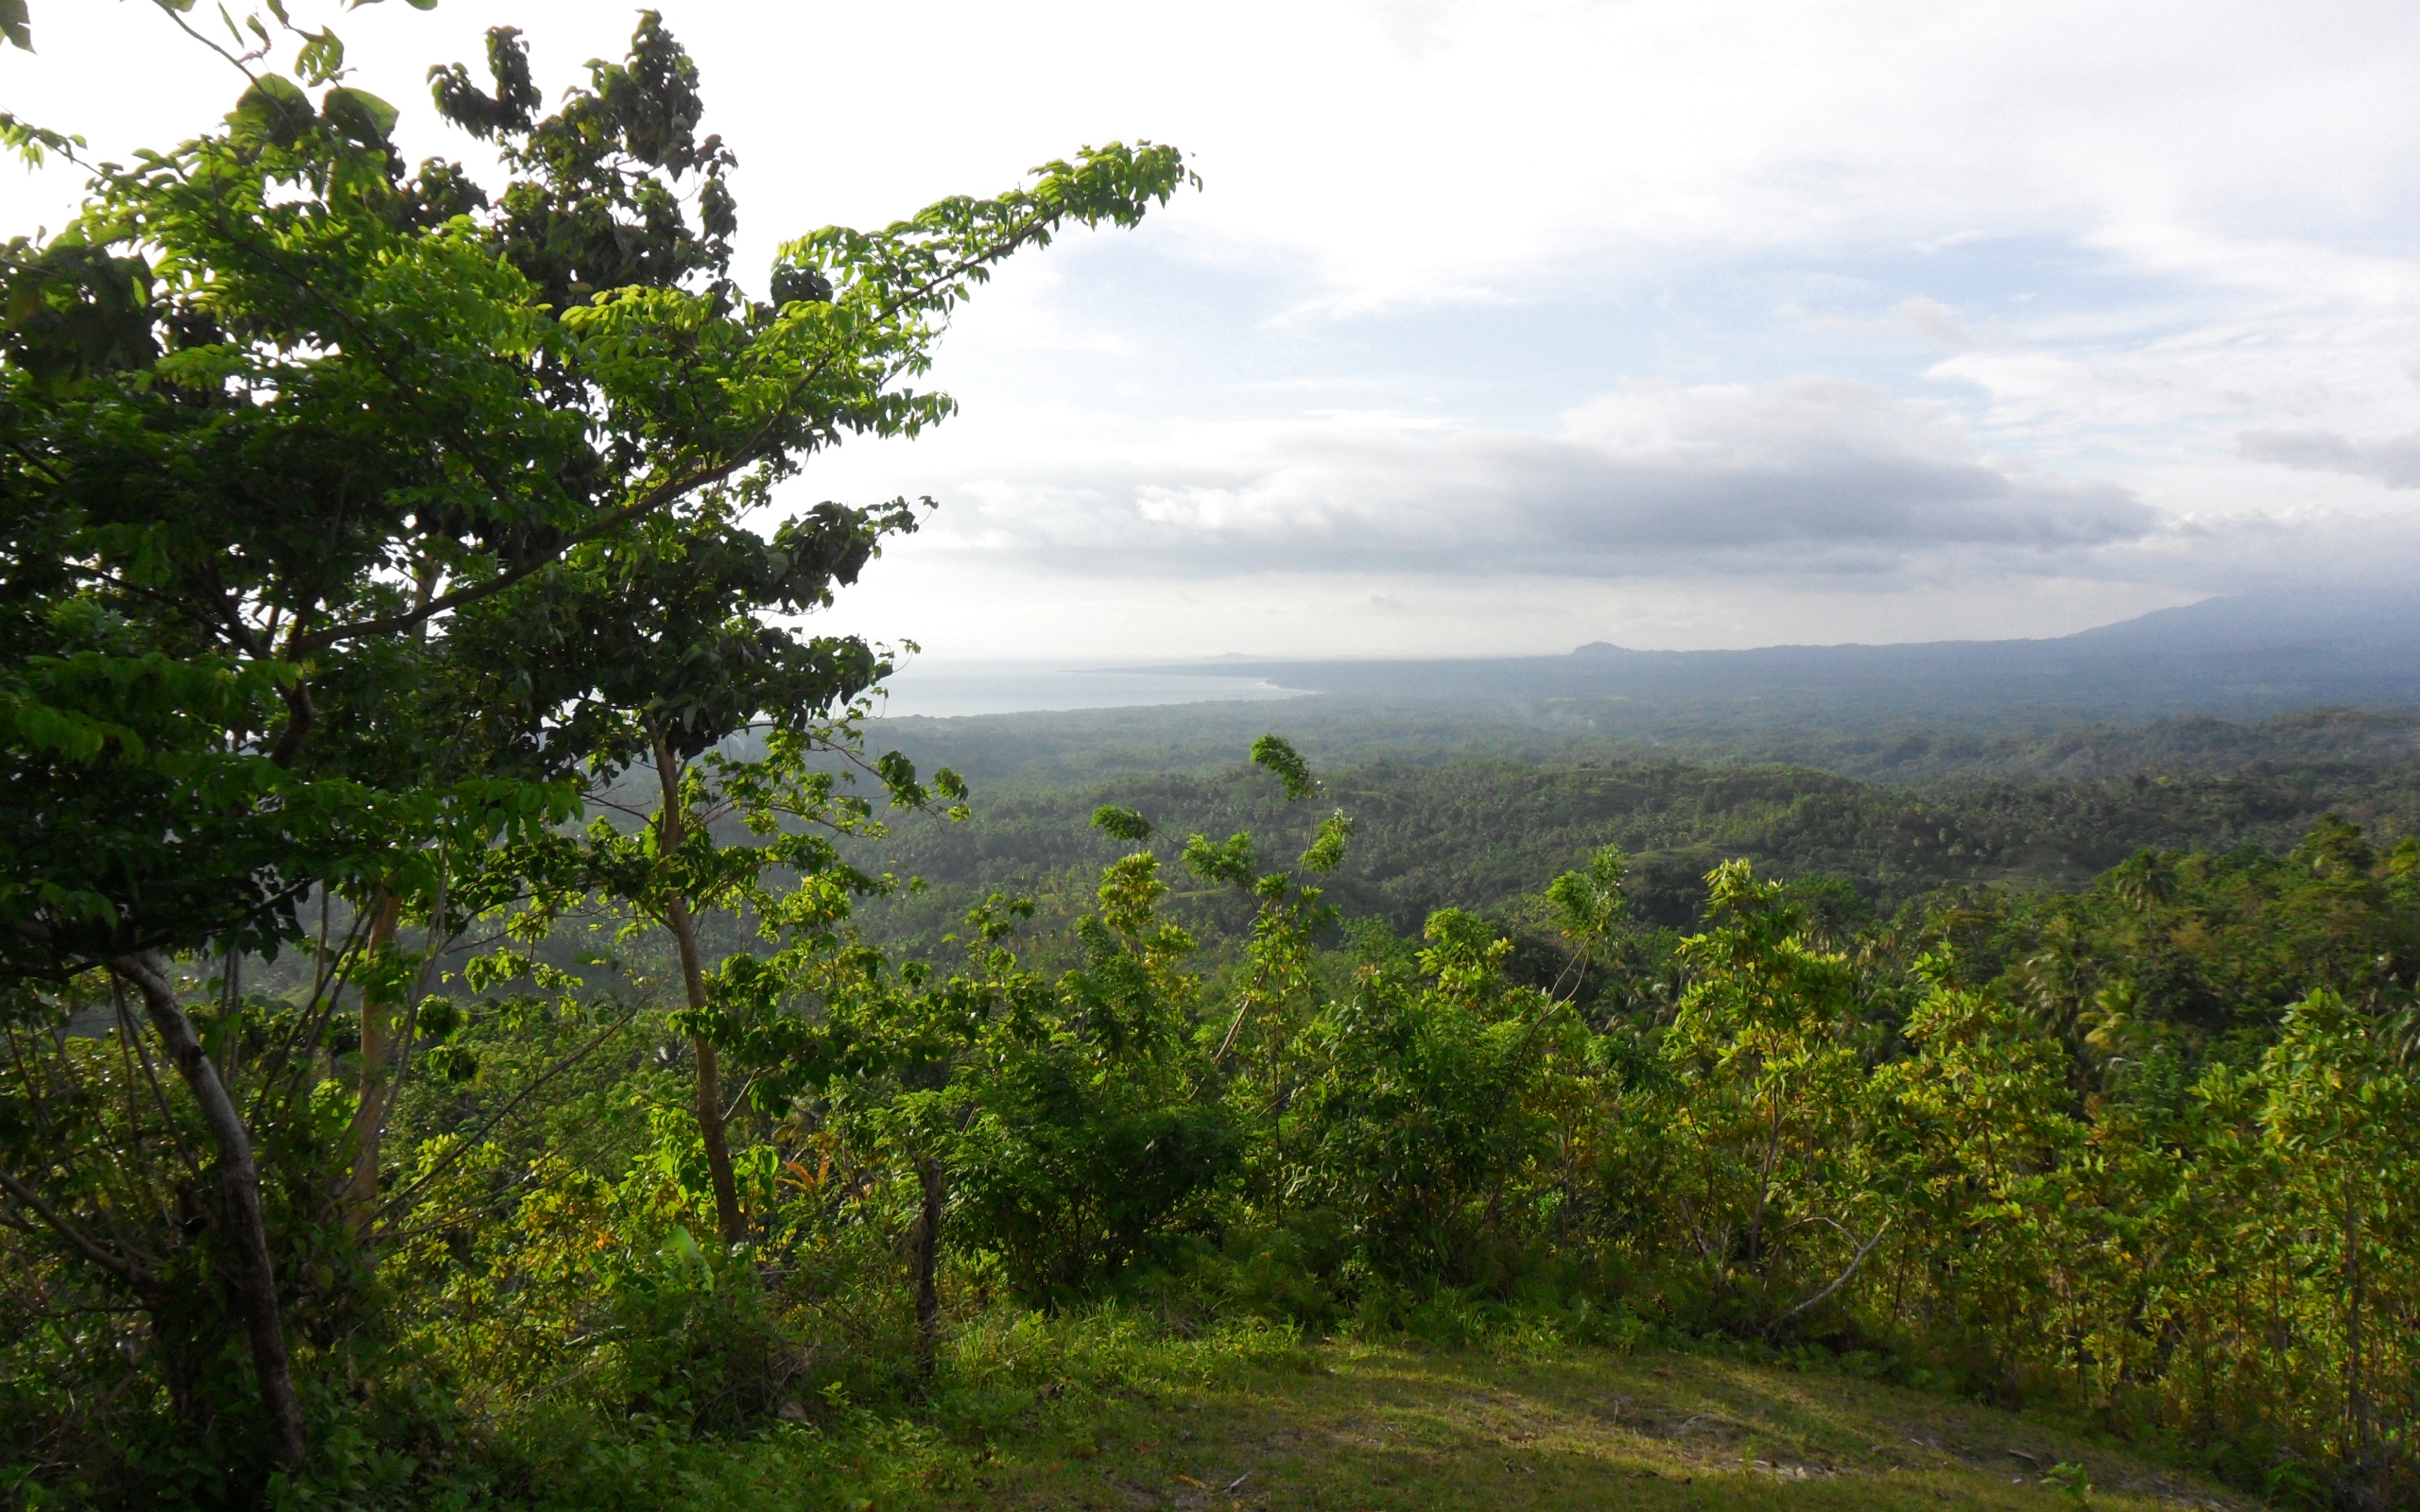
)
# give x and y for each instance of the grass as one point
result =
(1076, 1418)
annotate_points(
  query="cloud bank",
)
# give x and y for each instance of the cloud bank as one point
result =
(1811, 474)
(2393, 460)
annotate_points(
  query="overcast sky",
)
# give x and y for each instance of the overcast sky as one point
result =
(1499, 328)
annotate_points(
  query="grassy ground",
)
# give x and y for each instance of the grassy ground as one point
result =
(1362, 1428)
(1352, 1427)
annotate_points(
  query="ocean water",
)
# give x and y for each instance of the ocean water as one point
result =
(947, 688)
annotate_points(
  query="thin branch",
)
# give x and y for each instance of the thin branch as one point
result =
(328, 981)
(747, 453)
(470, 1141)
(232, 62)
(133, 1102)
(741, 1096)
(1234, 1025)
(431, 950)
(132, 1032)
(118, 1266)
(1839, 1280)
(647, 503)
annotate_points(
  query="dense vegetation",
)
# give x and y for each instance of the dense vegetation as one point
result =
(467, 1042)
(2018, 741)
(1479, 834)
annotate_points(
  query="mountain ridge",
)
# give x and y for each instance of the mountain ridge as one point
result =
(2251, 655)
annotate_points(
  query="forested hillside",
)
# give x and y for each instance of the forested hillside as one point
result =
(1061, 750)
(1478, 833)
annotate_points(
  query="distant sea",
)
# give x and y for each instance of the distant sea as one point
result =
(944, 689)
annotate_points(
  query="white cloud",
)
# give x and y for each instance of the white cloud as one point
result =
(1408, 152)
(2316, 549)
(2393, 460)
(1811, 475)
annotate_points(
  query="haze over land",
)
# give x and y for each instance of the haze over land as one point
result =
(1497, 331)
(2250, 656)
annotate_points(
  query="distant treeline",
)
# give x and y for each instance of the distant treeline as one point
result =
(1097, 744)
(1477, 833)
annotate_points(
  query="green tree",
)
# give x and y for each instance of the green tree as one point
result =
(1971, 1136)
(2345, 1118)
(276, 418)
(1091, 1131)
(1279, 986)
(1065, 1120)
(1423, 1125)
(1766, 1089)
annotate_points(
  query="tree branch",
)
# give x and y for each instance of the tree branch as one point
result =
(511, 1105)
(126, 1270)
(1839, 1280)
(748, 453)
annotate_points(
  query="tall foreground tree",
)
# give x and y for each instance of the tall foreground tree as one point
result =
(276, 414)
(650, 652)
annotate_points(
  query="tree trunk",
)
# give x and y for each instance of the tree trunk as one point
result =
(676, 918)
(377, 1050)
(2356, 1405)
(727, 1214)
(928, 1250)
(239, 1181)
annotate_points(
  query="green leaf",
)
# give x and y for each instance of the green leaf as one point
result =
(32, 143)
(1122, 823)
(15, 24)
(1277, 755)
(359, 115)
(321, 57)
(274, 108)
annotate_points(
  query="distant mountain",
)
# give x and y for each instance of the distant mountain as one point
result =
(2368, 621)
(2234, 657)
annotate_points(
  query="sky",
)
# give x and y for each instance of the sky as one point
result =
(1495, 328)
